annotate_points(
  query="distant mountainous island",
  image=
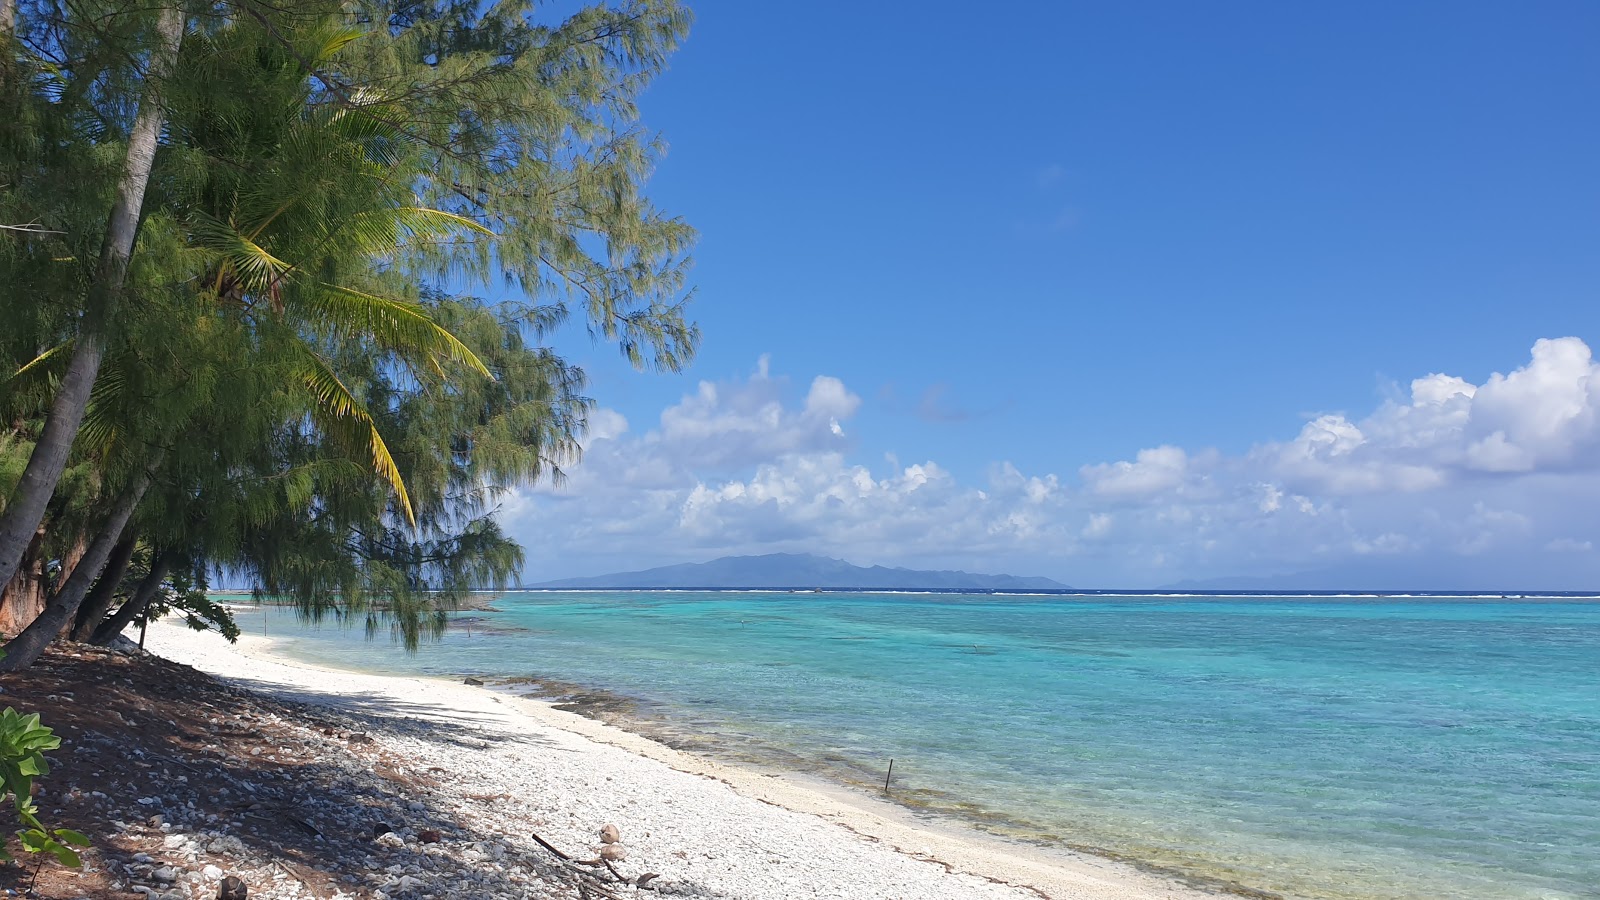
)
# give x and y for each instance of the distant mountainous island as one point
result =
(801, 571)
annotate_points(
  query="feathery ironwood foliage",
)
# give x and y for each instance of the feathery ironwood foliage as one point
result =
(292, 382)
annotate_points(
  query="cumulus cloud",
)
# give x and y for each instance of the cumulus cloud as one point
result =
(1449, 475)
(1152, 471)
(1539, 416)
(1542, 414)
(723, 425)
(604, 425)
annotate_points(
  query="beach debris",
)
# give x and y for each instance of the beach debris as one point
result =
(598, 874)
(609, 834)
(429, 836)
(233, 888)
(379, 829)
(549, 846)
(359, 737)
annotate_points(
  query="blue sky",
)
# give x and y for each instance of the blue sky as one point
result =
(1049, 238)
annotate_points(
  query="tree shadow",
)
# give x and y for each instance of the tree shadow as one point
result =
(170, 770)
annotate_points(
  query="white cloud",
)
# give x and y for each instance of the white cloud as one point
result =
(1540, 416)
(1450, 471)
(1152, 471)
(605, 425)
(1569, 545)
(746, 423)
(1386, 544)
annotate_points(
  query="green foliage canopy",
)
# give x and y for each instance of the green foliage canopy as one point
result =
(335, 415)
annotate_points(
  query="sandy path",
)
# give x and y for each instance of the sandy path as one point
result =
(710, 829)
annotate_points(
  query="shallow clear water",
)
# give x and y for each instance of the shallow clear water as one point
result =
(1321, 748)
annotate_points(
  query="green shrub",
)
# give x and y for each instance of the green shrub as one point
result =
(23, 742)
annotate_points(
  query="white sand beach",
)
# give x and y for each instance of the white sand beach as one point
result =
(507, 768)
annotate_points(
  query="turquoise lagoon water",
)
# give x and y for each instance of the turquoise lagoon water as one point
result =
(1314, 747)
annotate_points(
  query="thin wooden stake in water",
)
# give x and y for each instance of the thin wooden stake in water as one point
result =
(888, 776)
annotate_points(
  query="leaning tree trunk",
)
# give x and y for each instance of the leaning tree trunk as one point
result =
(104, 593)
(134, 606)
(8, 24)
(24, 598)
(49, 458)
(25, 649)
(70, 557)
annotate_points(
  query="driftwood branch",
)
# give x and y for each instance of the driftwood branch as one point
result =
(597, 875)
(548, 846)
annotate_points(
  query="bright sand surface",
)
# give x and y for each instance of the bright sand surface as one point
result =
(709, 827)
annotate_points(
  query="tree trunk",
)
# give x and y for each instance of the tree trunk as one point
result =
(49, 457)
(104, 593)
(25, 649)
(135, 605)
(69, 559)
(23, 599)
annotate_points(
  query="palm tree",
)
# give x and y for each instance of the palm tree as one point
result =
(310, 177)
(49, 457)
(287, 211)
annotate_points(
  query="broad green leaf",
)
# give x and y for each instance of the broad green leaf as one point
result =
(65, 855)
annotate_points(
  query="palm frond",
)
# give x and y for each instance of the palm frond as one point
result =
(42, 361)
(255, 267)
(346, 418)
(378, 232)
(104, 419)
(396, 324)
(334, 40)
